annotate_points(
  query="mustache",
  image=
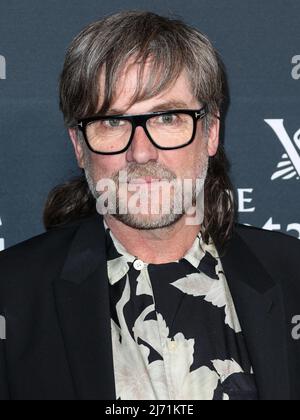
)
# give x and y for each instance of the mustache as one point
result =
(152, 169)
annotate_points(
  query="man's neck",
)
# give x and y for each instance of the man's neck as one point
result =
(157, 246)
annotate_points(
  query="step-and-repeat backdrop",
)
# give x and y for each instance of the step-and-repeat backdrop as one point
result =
(259, 43)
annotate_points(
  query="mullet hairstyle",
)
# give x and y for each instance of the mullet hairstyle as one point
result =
(169, 46)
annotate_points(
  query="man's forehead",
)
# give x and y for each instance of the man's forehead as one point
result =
(177, 96)
(172, 104)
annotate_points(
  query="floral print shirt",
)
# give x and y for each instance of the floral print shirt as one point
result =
(175, 330)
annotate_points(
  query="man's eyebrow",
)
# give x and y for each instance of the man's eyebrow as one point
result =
(165, 106)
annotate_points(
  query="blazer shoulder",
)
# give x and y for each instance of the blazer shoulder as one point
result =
(278, 252)
(254, 235)
(38, 249)
(28, 269)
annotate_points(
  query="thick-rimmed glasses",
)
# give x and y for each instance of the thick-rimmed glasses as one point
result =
(167, 130)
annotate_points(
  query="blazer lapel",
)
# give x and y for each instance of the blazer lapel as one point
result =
(82, 298)
(260, 309)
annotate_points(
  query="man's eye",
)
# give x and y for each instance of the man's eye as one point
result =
(167, 119)
(113, 123)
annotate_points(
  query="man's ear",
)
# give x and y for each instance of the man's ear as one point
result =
(214, 137)
(77, 147)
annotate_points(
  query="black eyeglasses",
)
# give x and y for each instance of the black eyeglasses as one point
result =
(168, 130)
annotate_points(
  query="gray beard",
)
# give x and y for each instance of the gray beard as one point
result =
(143, 222)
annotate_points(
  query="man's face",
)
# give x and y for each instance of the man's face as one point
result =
(143, 159)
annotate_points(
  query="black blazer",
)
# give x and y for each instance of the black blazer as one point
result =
(54, 296)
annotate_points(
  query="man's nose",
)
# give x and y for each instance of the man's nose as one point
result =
(141, 149)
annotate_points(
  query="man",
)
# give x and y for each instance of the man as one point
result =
(157, 305)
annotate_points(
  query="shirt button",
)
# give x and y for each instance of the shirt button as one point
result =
(138, 265)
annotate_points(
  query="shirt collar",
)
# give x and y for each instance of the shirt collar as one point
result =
(200, 252)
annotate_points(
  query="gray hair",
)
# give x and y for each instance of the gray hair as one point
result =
(106, 46)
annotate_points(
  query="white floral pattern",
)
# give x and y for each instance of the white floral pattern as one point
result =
(169, 376)
(215, 292)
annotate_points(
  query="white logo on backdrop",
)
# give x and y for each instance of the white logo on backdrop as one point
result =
(289, 166)
(296, 67)
(2, 67)
(246, 205)
(292, 227)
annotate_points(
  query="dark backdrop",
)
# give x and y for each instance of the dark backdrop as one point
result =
(259, 43)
